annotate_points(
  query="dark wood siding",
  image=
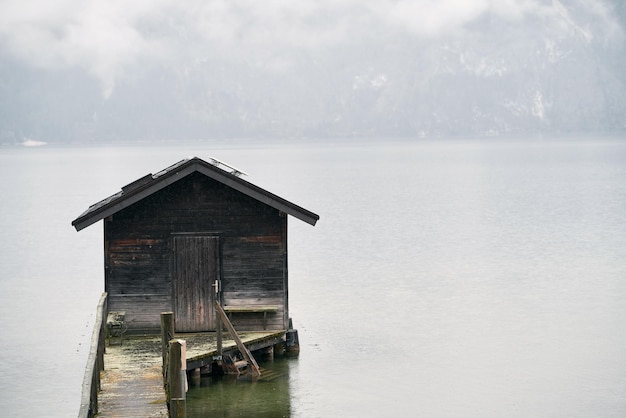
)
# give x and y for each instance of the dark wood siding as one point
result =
(196, 269)
(137, 278)
(139, 261)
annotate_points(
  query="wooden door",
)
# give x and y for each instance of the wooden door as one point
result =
(196, 268)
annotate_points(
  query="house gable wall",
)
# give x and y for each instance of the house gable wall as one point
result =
(139, 251)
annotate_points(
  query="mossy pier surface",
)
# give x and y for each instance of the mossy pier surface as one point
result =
(132, 380)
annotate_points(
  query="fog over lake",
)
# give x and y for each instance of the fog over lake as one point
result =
(93, 71)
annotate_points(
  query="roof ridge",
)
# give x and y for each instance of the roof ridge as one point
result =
(151, 183)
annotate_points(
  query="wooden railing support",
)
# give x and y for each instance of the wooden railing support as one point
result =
(95, 363)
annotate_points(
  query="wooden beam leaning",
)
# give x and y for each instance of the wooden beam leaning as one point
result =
(254, 367)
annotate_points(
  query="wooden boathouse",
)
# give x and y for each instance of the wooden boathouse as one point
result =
(192, 234)
(199, 245)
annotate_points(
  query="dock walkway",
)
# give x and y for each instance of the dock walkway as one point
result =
(132, 380)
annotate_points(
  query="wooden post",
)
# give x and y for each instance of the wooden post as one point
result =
(167, 334)
(177, 379)
(219, 336)
(218, 322)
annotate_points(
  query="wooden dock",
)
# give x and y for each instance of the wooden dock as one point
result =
(202, 347)
(126, 375)
(132, 380)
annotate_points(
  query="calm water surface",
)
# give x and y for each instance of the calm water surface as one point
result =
(474, 278)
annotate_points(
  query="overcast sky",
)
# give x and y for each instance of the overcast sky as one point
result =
(107, 38)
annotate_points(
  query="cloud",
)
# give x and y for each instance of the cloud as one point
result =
(430, 18)
(101, 37)
(109, 38)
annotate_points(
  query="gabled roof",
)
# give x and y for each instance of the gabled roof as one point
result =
(151, 183)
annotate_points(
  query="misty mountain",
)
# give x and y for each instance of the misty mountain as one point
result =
(562, 71)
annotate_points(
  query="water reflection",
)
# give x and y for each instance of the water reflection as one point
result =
(231, 396)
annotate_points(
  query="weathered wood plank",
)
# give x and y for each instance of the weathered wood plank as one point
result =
(143, 312)
(240, 298)
(132, 382)
(95, 364)
(196, 269)
(251, 308)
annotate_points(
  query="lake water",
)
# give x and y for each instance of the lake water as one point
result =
(465, 278)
